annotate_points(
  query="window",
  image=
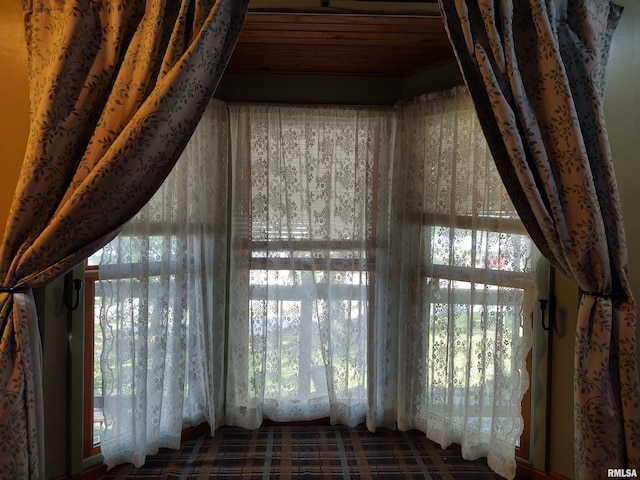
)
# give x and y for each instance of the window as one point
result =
(305, 211)
(358, 263)
(486, 285)
(93, 396)
(466, 286)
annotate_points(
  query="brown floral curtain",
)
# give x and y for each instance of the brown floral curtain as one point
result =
(116, 89)
(536, 73)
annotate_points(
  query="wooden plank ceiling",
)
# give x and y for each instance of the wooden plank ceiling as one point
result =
(340, 44)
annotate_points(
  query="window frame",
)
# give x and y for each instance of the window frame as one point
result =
(89, 449)
(91, 277)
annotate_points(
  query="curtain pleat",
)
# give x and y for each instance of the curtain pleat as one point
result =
(536, 73)
(110, 114)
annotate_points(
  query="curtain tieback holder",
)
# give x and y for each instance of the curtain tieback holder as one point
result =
(13, 289)
(612, 295)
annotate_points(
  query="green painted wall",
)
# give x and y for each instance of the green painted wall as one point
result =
(310, 89)
(622, 109)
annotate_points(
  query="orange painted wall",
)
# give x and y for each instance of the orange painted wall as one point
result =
(14, 101)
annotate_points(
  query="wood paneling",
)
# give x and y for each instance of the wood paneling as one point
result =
(317, 44)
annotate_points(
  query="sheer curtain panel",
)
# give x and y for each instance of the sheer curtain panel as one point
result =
(116, 89)
(450, 356)
(162, 316)
(311, 185)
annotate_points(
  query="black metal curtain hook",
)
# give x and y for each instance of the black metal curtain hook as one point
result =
(68, 291)
(551, 303)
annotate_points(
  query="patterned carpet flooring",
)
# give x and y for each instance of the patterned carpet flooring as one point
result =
(308, 452)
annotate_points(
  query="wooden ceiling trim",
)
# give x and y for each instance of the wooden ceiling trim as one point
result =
(340, 44)
(326, 21)
(343, 38)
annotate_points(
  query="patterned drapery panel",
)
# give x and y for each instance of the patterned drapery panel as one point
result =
(116, 89)
(536, 73)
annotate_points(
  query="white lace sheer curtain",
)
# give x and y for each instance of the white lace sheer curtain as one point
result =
(451, 354)
(162, 298)
(377, 272)
(310, 188)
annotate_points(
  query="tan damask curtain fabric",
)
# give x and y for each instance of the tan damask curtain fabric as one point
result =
(116, 90)
(536, 73)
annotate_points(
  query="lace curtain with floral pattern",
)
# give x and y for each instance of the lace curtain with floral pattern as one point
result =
(378, 273)
(162, 295)
(310, 189)
(451, 352)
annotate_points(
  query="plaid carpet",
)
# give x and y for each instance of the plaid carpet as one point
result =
(308, 452)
